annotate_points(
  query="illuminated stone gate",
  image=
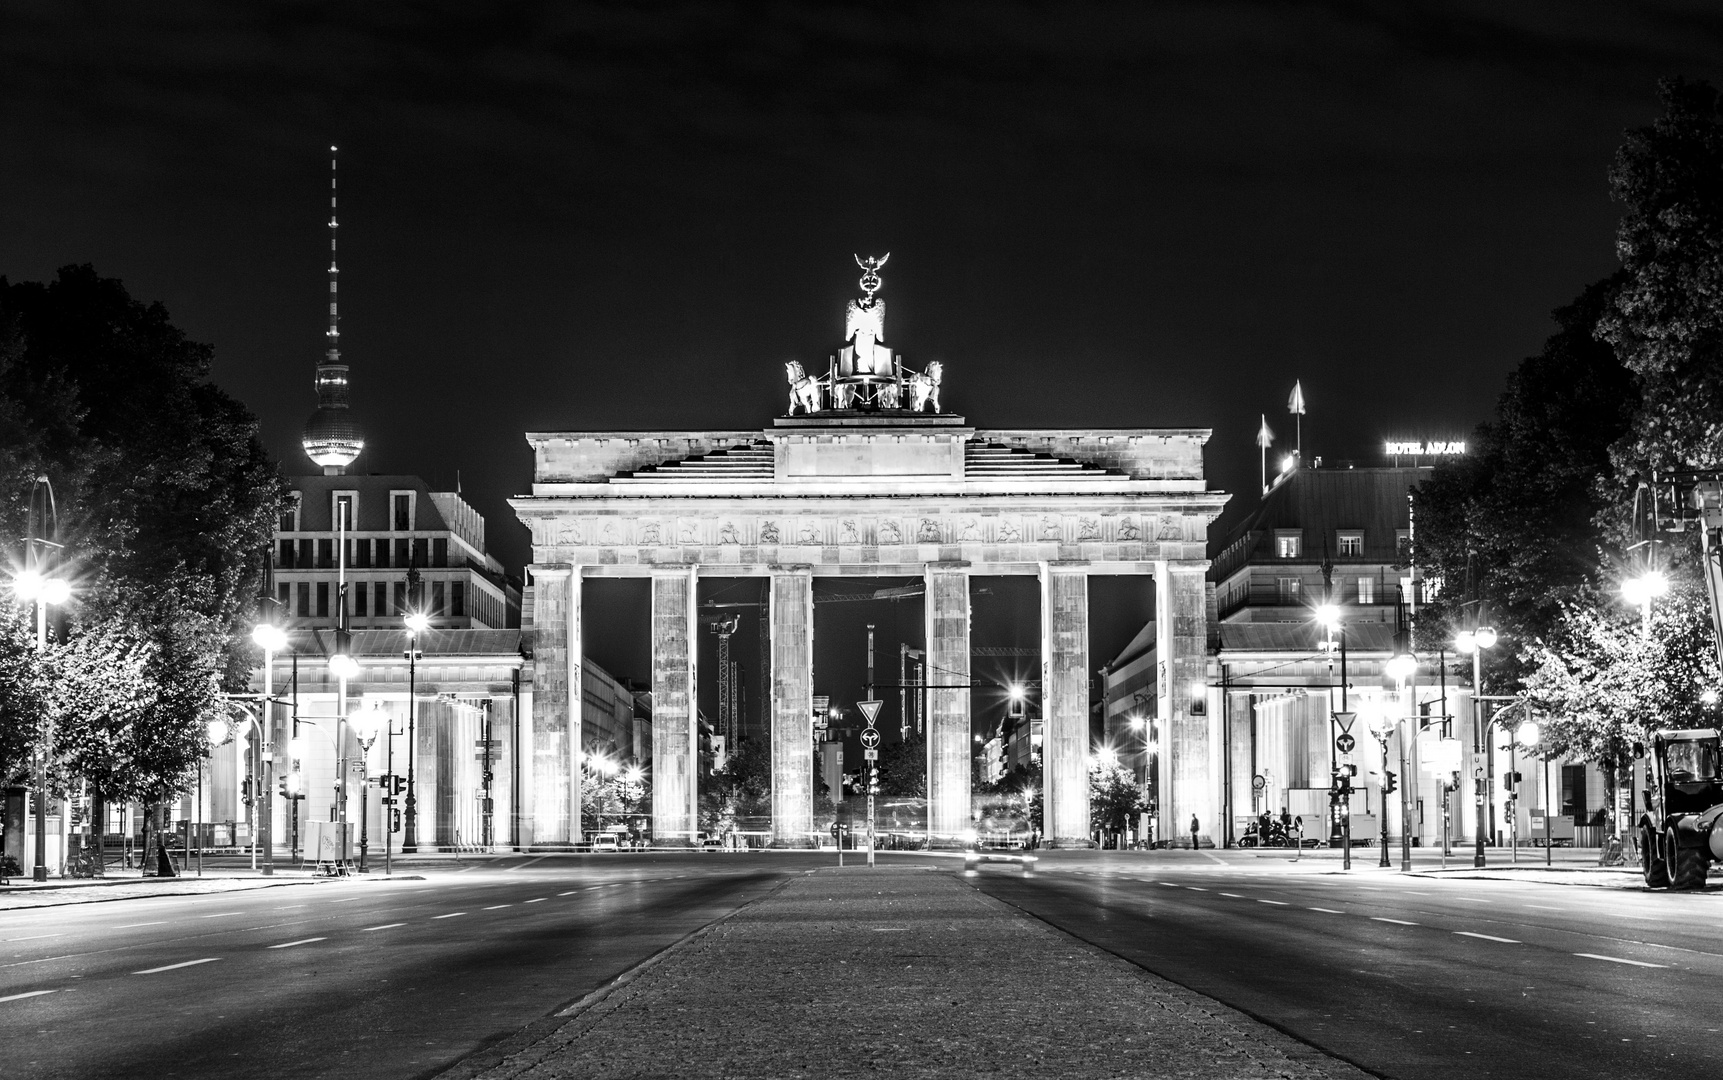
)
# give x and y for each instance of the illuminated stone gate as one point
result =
(882, 486)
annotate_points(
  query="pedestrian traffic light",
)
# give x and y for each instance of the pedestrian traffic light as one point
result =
(1390, 782)
(245, 791)
(394, 821)
(1510, 780)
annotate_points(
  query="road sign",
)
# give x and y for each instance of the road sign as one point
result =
(870, 738)
(1345, 759)
(1345, 743)
(1258, 782)
(1345, 720)
(870, 754)
(481, 743)
(869, 710)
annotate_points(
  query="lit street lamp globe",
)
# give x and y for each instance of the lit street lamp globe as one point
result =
(1486, 637)
(1401, 666)
(1328, 615)
(269, 637)
(343, 666)
(1528, 734)
(417, 622)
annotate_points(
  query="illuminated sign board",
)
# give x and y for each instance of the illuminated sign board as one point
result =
(1426, 449)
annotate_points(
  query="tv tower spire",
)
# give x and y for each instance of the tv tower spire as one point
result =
(331, 438)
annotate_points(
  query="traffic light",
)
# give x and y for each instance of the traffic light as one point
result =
(245, 791)
(1390, 782)
(873, 781)
(394, 821)
(1510, 781)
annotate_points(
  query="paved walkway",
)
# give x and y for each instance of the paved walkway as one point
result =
(904, 972)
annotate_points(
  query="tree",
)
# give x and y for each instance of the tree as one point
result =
(1666, 323)
(23, 703)
(903, 768)
(742, 788)
(1518, 523)
(1604, 682)
(1115, 797)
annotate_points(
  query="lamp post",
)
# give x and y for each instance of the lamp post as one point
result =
(342, 666)
(1475, 642)
(1402, 667)
(367, 725)
(1328, 615)
(416, 623)
(271, 639)
(1528, 734)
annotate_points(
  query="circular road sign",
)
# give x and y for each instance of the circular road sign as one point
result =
(1345, 743)
(1258, 782)
(870, 738)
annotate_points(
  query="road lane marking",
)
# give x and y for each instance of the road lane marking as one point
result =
(218, 915)
(1625, 915)
(450, 915)
(175, 967)
(133, 925)
(494, 907)
(1545, 907)
(1487, 937)
(1327, 911)
(29, 994)
(34, 937)
(385, 926)
(301, 941)
(1172, 884)
(1196, 888)
(344, 900)
(1618, 960)
(1234, 895)
(570, 892)
(529, 862)
(1277, 903)
(538, 900)
(1397, 922)
(1474, 899)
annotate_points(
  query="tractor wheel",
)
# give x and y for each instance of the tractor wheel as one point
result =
(1691, 864)
(1651, 861)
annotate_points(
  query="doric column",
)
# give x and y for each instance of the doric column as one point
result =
(675, 739)
(948, 741)
(792, 615)
(1065, 705)
(555, 808)
(1181, 642)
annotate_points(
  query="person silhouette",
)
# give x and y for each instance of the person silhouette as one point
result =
(1195, 826)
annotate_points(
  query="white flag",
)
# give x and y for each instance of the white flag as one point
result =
(1264, 437)
(1295, 403)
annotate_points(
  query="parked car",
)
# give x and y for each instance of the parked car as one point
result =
(604, 842)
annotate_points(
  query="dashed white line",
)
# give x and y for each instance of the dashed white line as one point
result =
(385, 926)
(134, 925)
(1474, 899)
(450, 915)
(1234, 895)
(537, 900)
(34, 937)
(1619, 960)
(1196, 888)
(175, 967)
(1277, 903)
(1545, 907)
(570, 892)
(1397, 922)
(344, 900)
(494, 907)
(1327, 911)
(1487, 937)
(28, 994)
(218, 915)
(301, 941)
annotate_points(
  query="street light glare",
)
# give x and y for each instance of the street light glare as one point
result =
(217, 732)
(1401, 666)
(56, 591)
(1529, 734)
(1486, 637)
(417, 622)
(1465, 641)
(343, 666)
(269, 637)
(1016, 691)
(1328, 615)
(27, 584)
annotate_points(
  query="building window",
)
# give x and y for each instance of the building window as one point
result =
(1366, 590)
(403, 553)
(1291, 590)
(401, 516)
(1573, 794)
(306, 551)
(400, 597)
(1351, 543)
(439, 552)
(383, 553)
(1288, 544)
(304, 599)
(457, 598)
(361, 594)
(322, 599)
(1403, 543)
(362, 553)
(286, 557)
(284, 597)
(381, 591)
(290, 514)
(436, 598)
(422, 552)
(325, 554)
(345, 501)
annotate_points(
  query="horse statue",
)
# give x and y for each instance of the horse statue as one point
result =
(803, 390)
(924, 388)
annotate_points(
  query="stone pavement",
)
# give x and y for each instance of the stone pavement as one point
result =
(899, 971)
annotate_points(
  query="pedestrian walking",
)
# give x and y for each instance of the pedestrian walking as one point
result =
(1195, 826)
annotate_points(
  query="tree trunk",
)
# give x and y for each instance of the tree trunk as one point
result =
(98, 829)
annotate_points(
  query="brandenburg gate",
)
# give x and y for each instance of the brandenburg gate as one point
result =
(866, 477)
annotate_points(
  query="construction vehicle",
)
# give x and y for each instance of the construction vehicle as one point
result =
(1679, 833)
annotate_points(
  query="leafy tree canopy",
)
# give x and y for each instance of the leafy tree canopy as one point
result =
(903, 768)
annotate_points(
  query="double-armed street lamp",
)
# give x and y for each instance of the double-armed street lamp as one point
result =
(1528, 735)
(271, 639)
(1328, 616)
(368, 724)
(45, 591)
(1402, 667)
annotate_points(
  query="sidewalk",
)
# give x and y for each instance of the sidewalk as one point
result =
(905, 971)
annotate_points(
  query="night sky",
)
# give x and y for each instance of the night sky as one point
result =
(583, 217)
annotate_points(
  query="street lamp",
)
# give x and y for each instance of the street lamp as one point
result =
(367, 725)
(416, 622)
(1641, 590)
(1328, 615)
(1475, 642)
(43, 590)
(1382, 724)
(271, 639)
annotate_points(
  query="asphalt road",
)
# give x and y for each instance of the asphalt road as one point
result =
(1412, 977)
(367, 978)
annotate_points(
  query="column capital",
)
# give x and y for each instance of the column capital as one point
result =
(552, 569)
(1185, 566)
